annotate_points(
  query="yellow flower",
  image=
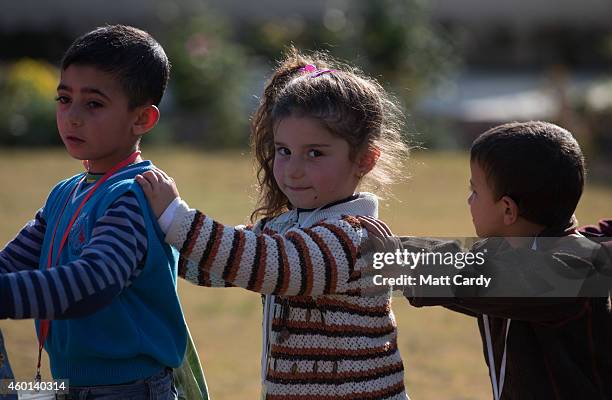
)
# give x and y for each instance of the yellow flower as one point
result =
(31, 79)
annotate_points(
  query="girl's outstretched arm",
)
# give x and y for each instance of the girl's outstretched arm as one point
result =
(303, 261)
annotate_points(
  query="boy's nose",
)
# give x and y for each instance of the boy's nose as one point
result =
(75, 123)
(74, 118)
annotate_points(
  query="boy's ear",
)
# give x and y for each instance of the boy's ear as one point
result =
(368, 160)
(511, 210)
(146, 118)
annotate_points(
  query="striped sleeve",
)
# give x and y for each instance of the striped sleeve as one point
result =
(111, 259)
(23, 252)
(189, 270)
(304, 262)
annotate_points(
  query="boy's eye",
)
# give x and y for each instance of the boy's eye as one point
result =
(62, 99)
(283, 151)
(94, 104)
(314, 153)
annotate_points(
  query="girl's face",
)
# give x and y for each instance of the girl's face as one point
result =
(311, 166)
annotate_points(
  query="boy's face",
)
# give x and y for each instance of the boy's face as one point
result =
(487, 213)
(93, 118)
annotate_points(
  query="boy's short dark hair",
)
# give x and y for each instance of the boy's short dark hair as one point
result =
(132, 55)
(537, 164)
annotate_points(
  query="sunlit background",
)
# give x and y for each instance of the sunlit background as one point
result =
(458, 68)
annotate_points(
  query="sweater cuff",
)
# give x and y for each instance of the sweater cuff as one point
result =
(165, 220)
(177, 231)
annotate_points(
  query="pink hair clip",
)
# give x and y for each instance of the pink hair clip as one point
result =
(311, 69)
(308, 68)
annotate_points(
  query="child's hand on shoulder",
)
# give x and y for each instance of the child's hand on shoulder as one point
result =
(159, 188)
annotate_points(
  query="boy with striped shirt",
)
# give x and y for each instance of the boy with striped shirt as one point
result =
(93, 260)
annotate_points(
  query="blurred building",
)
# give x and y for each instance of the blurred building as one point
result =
(523, 60)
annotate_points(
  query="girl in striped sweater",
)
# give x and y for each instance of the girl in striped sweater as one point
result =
(319, 129)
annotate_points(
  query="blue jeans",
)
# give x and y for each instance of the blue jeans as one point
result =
(157, 387)
(5, 370)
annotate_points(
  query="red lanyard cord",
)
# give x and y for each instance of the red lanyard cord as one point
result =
(46, 324)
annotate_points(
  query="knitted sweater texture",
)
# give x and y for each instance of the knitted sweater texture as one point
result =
(326, 339)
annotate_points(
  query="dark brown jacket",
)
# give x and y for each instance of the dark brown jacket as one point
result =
(555, 348)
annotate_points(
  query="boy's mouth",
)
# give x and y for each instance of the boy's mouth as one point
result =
(74, 139)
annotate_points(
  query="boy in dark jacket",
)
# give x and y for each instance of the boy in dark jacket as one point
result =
(526, 180)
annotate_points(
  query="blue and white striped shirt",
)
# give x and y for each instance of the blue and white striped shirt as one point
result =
(111, 260)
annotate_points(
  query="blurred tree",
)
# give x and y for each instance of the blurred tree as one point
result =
(27, 115)
(207, 80)
(392, 40)
(402, 46)
(218, 67)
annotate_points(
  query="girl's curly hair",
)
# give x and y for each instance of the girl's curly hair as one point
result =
(347, 103)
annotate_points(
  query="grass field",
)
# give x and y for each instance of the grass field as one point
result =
(441, 350)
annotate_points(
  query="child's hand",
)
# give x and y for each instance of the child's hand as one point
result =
(159, 188)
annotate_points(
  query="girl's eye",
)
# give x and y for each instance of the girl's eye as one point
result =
(283, 151)
(314, 153)
(62, 99)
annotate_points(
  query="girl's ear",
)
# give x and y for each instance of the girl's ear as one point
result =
(368, 160)
(146, 118)
(511, 210)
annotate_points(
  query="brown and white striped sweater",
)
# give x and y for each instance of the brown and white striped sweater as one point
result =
(323, 339)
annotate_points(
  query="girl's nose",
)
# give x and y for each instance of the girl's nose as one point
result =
(295, 168)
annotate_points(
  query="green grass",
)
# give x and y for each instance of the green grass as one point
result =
(441, 350)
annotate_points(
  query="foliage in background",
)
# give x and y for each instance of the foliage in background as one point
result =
(27, 115)
(219, 68)
(207, 82)
(392, 40)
